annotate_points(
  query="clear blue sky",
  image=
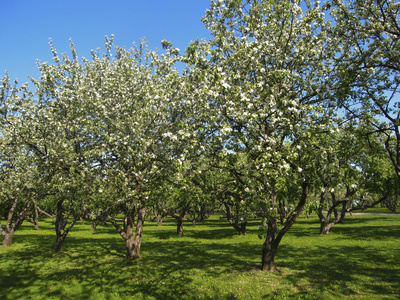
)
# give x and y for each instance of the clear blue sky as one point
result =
(27, 25)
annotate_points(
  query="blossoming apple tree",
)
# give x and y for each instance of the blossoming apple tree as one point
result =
(18, 190)
(139, 129)
(264, 77)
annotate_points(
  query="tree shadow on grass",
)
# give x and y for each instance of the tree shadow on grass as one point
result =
(358, 227)
(351, 261)
(90, 266)
(213, 232)
(343, 271)
(95, 264)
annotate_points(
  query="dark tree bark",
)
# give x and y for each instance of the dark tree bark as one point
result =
(327, 222)
(391, 203)
(159, 220)
(139, 230)
(270, 246)
(93, 226)
(233, 219)
(13, 222)
(363, 205)
(60, 223)
(179, 215)
(7, 238)
(133, 239)
(179, 227)
(35, 217)
(59, 242)
(273, 237)
(159, 213)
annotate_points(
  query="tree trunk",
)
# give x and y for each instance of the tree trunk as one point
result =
(60, 242)
(179, 227)
(268, 257)
(133, 242)
(273, 239)
(60, 224)
(326, 223)
(93, 226)
(270, 246)
(62, 234)
(159, 220)
(325, 227)
(342, 218)
(13, 222)
(243, 228)
(130, 245)
(234, 220)
(36, 216)
(7, 238)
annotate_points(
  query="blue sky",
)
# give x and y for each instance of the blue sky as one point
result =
(27, 25)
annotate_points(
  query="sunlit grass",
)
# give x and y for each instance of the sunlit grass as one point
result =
(358, 260)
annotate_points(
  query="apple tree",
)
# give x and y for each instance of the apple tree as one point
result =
(264, 77)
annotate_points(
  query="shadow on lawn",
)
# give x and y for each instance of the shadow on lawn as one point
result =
(353, 228)
(338, 270)
(356, 263)
(96, 264)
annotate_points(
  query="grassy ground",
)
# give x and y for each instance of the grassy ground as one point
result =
(358, 260)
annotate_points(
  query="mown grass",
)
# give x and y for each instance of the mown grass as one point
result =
(377, 209)
(358, 260)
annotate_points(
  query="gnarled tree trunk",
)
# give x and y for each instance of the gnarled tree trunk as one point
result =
(270, 246)
(325, 226)
(179, 226)
(35, 218)
(133, 241)
(7, 238)
(233, 219)
(94, 224)
(13, 222)
(273, 239)
(179, 215)
(326, 222)
(60, 224)
(159, 220)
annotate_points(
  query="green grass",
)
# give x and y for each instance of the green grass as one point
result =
(382, 210)
(358, 260)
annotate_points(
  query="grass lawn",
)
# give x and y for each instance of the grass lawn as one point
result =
(358, 260)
